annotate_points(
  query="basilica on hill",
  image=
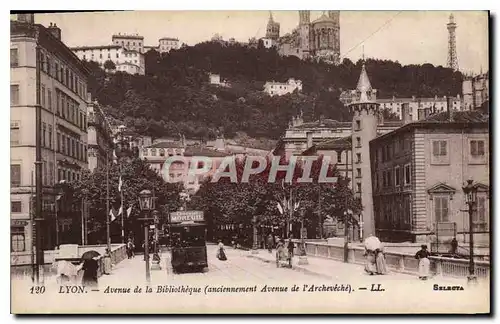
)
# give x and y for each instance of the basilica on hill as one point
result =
(319, 39)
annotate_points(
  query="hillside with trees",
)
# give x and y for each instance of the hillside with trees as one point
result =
(175, 96)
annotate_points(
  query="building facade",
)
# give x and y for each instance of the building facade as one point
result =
(282, 88)
(166, 44)
(42, 64)
(100, 139)
(476, 90)
(419, 108)
(126, 53)
(418, 174)
(319, 39)
(131, 42)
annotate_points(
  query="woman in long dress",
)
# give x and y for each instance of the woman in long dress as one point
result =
(107, 262)
(381, 265)
(221, 255)
(370, 266)
(90, 267)
(423, 263)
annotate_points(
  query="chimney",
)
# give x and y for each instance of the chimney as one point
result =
(309, 140)
(406, 113)
(28, 18)
(55, 31)
(449, 106)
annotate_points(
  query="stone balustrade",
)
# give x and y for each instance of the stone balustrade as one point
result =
(397, 261)
(21, 263)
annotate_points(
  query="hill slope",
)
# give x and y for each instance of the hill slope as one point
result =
(175, 96)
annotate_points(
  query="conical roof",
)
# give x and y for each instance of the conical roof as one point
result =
(364, 87)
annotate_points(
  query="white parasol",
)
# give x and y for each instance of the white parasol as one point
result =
(372, 243)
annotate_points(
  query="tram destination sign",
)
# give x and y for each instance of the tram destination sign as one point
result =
(187, 216)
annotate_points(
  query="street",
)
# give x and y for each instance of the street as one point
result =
(245, 284)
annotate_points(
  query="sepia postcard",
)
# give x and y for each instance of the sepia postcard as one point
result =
(250, 162)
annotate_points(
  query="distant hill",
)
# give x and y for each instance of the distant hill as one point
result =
(175, 96)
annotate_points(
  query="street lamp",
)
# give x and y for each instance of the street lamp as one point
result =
(146, 203)
(470, 192)
(255, 245)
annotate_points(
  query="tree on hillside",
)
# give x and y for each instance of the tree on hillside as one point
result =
(174, 96)
(109, 65)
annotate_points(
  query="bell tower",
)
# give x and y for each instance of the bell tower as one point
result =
(365, 111)
(304, 32)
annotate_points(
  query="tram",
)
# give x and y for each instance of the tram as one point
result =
(188, 241)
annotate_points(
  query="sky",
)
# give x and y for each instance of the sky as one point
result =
(410, 37)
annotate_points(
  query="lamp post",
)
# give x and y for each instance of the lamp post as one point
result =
(302, 245)
(470, 192)
(348, 215)
(146, 203)
(156, 256)
(255, 245)
(84, 218)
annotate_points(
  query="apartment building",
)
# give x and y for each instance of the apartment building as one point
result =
(46, 73)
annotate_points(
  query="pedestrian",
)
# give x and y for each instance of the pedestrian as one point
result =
(290, 247)
(89, 268)
(221, 255)
(107, 262)
(454, 246)
(270, 242)
(423, 262)
(380, 263)
(130, 248)
(370, 266)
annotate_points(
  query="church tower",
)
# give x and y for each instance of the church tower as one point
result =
(273, 28)
(335, 16)
(364, 128)
(304, 32)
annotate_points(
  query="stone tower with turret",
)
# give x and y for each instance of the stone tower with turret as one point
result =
(365, 111)
(273, 28)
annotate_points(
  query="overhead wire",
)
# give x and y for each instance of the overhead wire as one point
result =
(372, 34)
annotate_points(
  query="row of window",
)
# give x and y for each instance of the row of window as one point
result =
(68, 175)
(68, 109)
(442, 211)
(100, 56)
(47, 174)
(160, 151)
(476, 148)
(56, 69)
(389, 151)
(393, 177)
(71, 146)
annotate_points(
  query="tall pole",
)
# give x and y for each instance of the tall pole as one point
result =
(122, 206)
(108, 234)
(38, 171)
(320, 227)
(32, 218)
(83, 220)
(471, 243)
(146, 251)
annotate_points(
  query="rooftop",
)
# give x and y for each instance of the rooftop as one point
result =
(325, 123)
(167, 145)
(460, 120)
(169, 38)
(323, 19)
(203, 151)
(135, 36)
(84, 48)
